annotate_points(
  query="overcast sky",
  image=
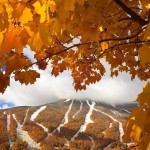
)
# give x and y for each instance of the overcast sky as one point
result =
(48, 88)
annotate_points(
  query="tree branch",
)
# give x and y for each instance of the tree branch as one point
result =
(80, 44)
(129, 11)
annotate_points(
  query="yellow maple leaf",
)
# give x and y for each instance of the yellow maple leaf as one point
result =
(144, 54)
(145, 4)
(26, 16)
(135, 125)
(144, 97)
(35, 42)
(15, 37)
(104, 45)
(101, 28)
(40, 10)
(52, 6)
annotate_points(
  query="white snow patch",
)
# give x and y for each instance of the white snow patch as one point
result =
(25, 137)
(44, 128)
(78, 110)
(25, 117)
(67, 142)
(67, 100)
(126, 111)
(122, 109)
(104, 132)
(87, 117)
(110, 145)
(121, 130)
(110, 125)
(35, 114)
(120, 124)
(65, 120)
(91, 139)
(113, 106)
(87, 120)
(92, 147)
(8, 130)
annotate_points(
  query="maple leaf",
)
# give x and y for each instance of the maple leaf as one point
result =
(144, 53)
(26, 77)
(14, 62)
(15, 38)
(4, 82)
(42, 65)
(104, 45)
(144, 97)
(26, 16)
(145, 4)
(135, 125)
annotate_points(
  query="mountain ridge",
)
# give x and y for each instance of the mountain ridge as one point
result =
(64, 124)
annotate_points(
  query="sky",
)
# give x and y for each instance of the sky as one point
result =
(49, 89)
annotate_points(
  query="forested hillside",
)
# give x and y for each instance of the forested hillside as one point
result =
(67, 124)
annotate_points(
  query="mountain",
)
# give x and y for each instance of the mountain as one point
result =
(64, 125)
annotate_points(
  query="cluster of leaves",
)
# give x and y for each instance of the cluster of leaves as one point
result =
(138, 125)
(116, 30)
(51, 28)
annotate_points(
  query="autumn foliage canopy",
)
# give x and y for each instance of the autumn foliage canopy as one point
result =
(75, 35)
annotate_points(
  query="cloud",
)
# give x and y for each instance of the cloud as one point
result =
(5, 106)
(48, 88)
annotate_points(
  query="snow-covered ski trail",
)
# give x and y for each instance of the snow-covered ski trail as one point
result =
(44, 128)
(78, 110)
(113, 106)
(24, 136)
(35, 114)
(92, 147)
(65, 120)
(67, 142)
(8, 131)
(126, 111)
(67, 100)
(25, 117)
(87, 120)
(115, 120)
(122, 109)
